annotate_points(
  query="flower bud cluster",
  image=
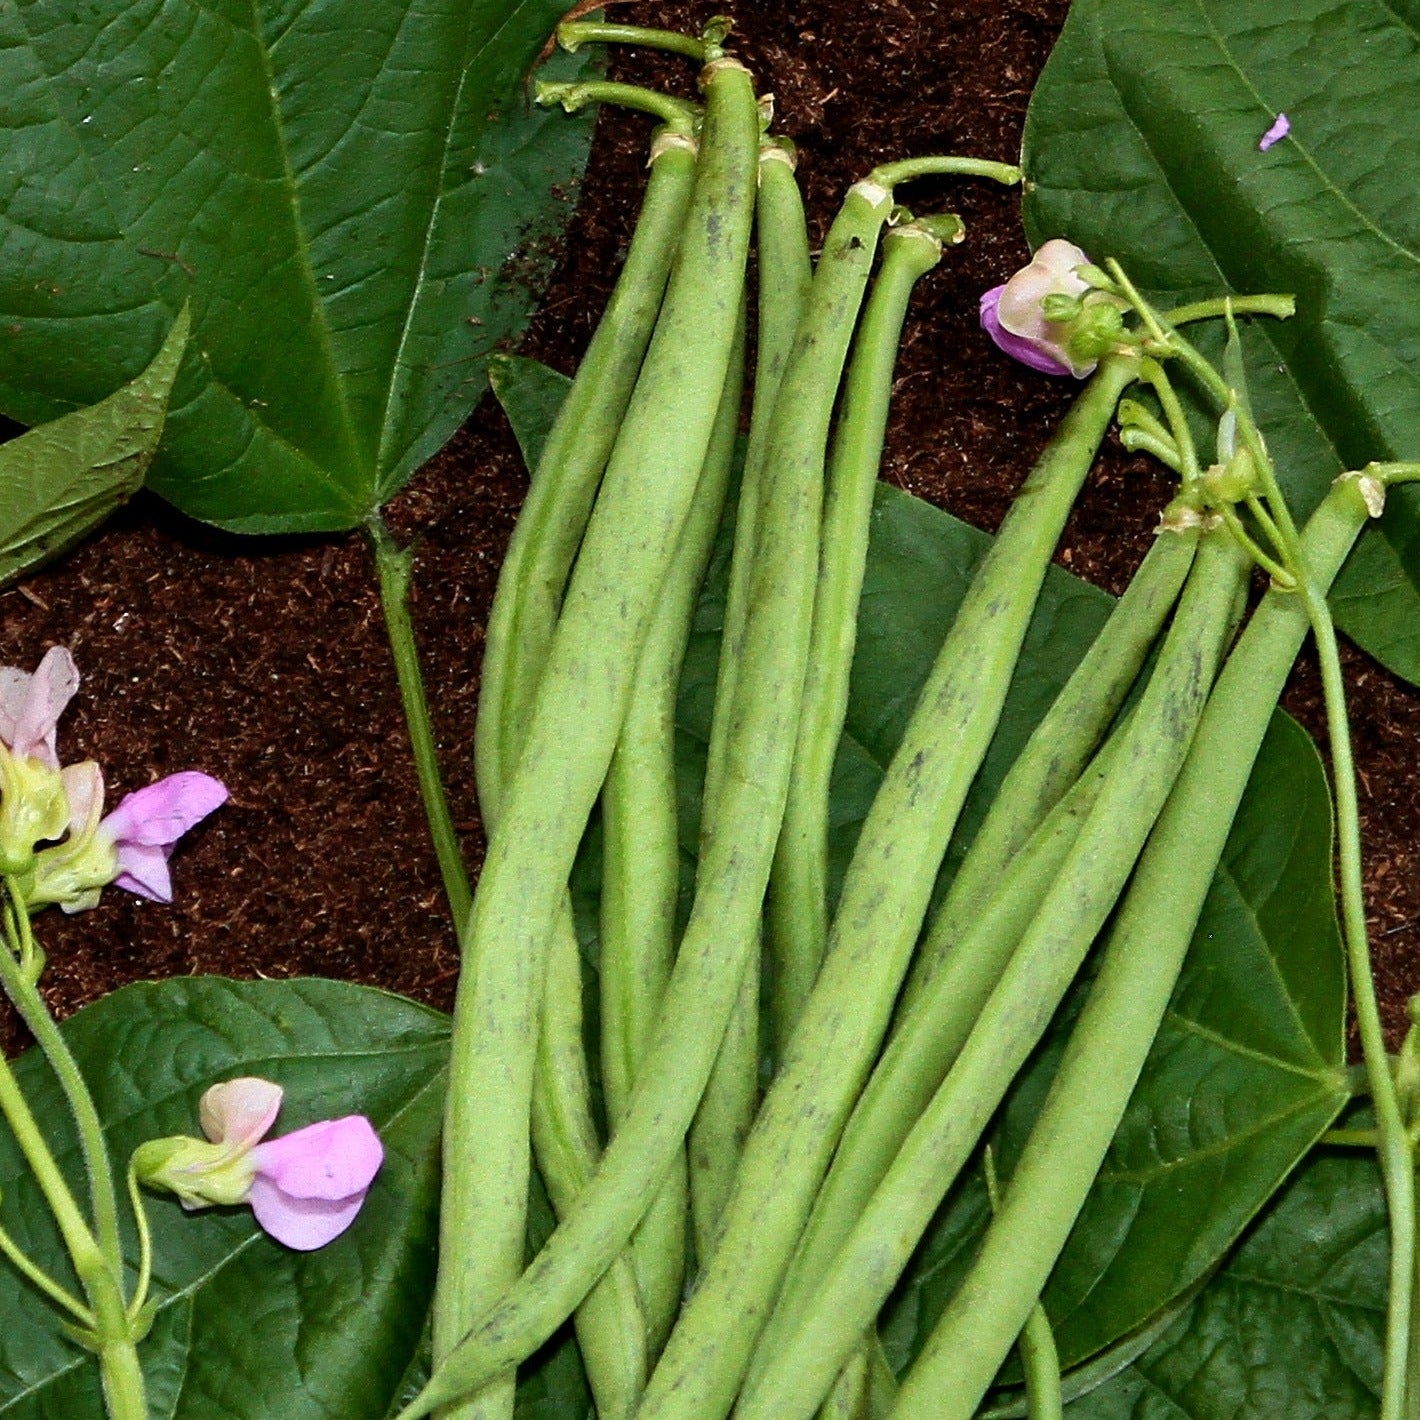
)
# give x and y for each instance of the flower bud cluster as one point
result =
(56, 843)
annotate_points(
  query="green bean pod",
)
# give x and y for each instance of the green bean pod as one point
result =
(641, 859)
(797, 922)
(611, 1325)
(880, 913)
(554, 516)
(737, 854)
(785, 271)
(1139, 967)
(1059, 746)
(816, 1326)
(630, 540)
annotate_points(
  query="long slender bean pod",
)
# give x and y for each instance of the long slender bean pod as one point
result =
(710, 964)
(797, 922)
(1061, 743)
(925, 1044)
(1139, 967)
(785, 271)
(630, 539)
(611, 1326)
(880, 913)
(559, 502)
(641, 861)
(815, 1329)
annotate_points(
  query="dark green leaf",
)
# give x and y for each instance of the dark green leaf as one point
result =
(1141, 143)
(1292, 1326)
(62, 479)
(531, 395)
(245, 1328)
(1247, 1070)
(354, 197)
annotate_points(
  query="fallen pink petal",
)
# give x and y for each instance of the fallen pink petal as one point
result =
(1279, 130)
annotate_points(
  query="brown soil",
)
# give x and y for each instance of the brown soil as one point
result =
(264, 661)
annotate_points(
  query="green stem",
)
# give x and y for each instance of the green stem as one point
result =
(394, 565)
(890, 175)
(25, 997)
(1394, 1148)
(677, 115)
(1280, 306)
(139, 1298)
(573, 34)
(46, 1284)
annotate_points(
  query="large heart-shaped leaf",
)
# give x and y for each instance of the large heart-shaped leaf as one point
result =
(1248, 1069)
(1142, 143)
(245, 1328)
(1294, 1324)
(62, 479)
(353, 195)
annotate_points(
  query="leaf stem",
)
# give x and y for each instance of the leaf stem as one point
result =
(394, 566)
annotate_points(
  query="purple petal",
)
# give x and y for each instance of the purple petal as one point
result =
(329, 1160)
(30, 705)
(84, 793)
(144, 871)
(1015, 346)
(158, 815)
(1279, 130)
(240, 1111)
(302, 1223)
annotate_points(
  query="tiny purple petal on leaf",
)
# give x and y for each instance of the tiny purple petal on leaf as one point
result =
(1279, 130)
(240, 1111)
(30, 705)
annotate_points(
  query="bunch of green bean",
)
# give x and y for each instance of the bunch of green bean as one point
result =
(726, 1242)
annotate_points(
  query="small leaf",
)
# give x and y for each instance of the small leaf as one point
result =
(243, 1327)
(62, 479)
(531, 394)
(1294, 1324)
(356, 198)
(1142, 144)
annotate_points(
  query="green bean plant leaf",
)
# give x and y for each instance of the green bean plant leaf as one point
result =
(1142, 143)
(244, 1327)
(356, 200)
(1249, 1068)
(1293, 1325)
(63, 478)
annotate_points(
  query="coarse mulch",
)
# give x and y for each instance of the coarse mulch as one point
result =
(264, 661)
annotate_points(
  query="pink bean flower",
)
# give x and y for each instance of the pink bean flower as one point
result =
(1014, 314)
(30, 705)
(42, 804)
(146, 825)
(305, 1188)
